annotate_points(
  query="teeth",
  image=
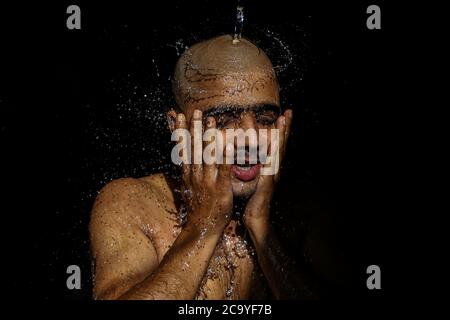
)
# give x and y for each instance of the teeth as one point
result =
(246, 168)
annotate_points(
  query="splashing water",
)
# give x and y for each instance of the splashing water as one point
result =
(185, 266)
(230, 290)
(239, 24)
(179, 46)
(287, 52)
(157, 71)
(182, 215)
(124, 118)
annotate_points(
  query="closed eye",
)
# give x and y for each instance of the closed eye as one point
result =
(266, 118)
(226, 119)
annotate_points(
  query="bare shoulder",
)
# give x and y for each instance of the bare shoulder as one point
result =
(160, 187)
(140, 198)
(119, 193)
(123, 213)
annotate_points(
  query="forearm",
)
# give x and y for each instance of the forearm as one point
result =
(286, 280)
(181, 271)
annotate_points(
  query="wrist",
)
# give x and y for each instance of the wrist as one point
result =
(259, 228)
(208, 221)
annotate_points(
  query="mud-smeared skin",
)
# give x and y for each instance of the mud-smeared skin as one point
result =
(247, 84)
(134, 225)
(140, 249)
(217, 71)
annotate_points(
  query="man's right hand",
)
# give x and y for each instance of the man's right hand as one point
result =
(207, 188)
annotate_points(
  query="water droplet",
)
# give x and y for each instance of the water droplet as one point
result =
(239, 24)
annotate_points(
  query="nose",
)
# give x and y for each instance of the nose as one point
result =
(248, 121)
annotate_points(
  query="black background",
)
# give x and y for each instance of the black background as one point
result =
(94, 111)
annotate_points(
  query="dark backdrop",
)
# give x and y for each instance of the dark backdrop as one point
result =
(105, 89)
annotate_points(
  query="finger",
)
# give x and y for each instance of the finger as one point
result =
(196, 131)
(185, 167)
(281, 126)
(288, 115)
(210, 170)
(276, 161)
(224, 171)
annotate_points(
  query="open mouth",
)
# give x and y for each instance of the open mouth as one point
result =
(246, 172)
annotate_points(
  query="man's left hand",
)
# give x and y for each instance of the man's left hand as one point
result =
(256, 215)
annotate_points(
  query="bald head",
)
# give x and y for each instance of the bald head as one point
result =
(222, 72)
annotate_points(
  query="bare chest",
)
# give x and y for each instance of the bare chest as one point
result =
(232, 272)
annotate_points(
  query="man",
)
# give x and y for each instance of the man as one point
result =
(139, 249)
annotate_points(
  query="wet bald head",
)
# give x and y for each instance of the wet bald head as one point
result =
(220, 72)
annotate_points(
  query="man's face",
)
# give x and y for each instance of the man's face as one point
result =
(252, 107)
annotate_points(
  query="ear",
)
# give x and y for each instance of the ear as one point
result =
(171, 119)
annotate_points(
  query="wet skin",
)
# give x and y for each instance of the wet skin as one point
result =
(140, 251)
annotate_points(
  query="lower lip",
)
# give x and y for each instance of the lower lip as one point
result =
(246, 175)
